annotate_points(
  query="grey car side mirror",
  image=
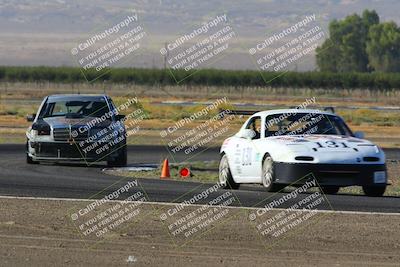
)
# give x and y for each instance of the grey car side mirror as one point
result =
(30, 117)
(360, 135)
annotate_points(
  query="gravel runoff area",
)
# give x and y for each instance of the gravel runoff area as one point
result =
(37, 232)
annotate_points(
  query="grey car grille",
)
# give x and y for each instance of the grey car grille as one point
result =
(63, 134)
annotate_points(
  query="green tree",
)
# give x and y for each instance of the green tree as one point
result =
(326, 54)
(370, 17)
(383, 47)
(345, 49)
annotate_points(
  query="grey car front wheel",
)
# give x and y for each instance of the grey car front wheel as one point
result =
(29, 159)
(121, 159)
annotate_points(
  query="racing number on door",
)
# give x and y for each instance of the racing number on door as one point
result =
(332, 144)
(246, 156)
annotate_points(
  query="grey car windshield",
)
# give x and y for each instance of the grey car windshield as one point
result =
(305, 123)
(74, 108)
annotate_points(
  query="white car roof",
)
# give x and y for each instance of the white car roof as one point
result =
(286, 111)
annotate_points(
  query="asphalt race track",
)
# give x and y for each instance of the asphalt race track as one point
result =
(79, 181)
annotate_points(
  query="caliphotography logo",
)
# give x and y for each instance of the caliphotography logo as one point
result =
(199, 133)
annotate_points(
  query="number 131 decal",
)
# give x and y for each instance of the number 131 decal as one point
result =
(332, 144)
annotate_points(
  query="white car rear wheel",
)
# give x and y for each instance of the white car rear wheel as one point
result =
(225, 175)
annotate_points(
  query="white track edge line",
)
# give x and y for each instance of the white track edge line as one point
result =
(196, 205)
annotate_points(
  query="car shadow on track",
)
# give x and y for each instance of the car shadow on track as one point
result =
(75, 164)
(260, 189)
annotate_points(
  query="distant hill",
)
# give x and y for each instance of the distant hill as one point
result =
(42, 32)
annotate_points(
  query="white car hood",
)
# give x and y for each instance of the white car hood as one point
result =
(311, 140)
(324, 148)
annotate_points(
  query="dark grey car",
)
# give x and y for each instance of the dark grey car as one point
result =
(77, 128)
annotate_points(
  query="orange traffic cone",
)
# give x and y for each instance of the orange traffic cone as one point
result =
(165, 170)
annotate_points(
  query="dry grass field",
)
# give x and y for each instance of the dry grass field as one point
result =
(383, 127)
(46, 236)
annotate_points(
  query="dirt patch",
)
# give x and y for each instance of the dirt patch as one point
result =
(39, 233)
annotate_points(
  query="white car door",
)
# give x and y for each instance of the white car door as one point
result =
(247, 153)
(236, 148)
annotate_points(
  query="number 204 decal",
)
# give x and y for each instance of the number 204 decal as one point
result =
(246, 156)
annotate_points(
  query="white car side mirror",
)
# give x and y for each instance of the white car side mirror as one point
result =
(360, 135)
(246, 134)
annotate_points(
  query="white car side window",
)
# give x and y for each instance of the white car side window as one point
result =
(255, 125)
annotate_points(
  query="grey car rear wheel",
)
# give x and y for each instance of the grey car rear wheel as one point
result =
(330, 189)
(374, 190)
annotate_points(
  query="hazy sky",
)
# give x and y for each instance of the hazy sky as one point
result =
(43, 32)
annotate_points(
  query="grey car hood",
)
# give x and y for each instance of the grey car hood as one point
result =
(61, 122)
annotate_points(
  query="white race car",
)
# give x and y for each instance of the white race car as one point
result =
(280, 147)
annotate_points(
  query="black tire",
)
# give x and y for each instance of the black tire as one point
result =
(374, 190)
(268, 175)
(29, 159)
(330, 189)
(225, 175)
(121, 160)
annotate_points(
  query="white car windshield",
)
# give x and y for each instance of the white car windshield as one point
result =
(305, 123)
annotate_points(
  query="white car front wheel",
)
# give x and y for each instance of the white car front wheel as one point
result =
(268, 175)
